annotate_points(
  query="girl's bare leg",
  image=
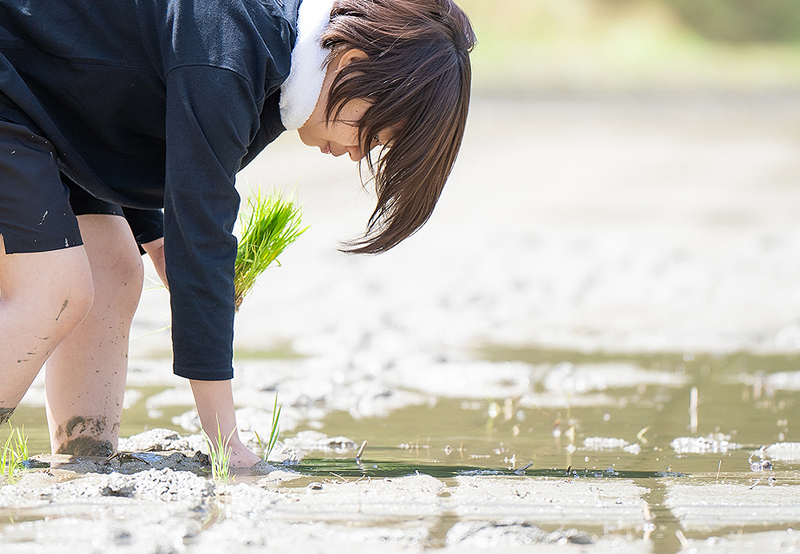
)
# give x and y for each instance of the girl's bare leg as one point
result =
(43, 298)
(85, 376)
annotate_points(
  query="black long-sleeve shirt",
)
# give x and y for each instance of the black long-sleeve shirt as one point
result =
(157, 104)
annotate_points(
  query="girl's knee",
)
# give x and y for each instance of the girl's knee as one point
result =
(123, 277)
(115, 261)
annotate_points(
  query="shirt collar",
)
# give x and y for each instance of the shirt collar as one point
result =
(301, 90)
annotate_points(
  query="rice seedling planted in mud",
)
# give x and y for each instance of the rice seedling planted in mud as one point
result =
(271, 225)
(15, 452)
(219, 453)
(274, 432)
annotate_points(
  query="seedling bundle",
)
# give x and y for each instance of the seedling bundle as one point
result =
(271, 225)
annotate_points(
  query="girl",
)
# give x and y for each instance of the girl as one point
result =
(126, 122)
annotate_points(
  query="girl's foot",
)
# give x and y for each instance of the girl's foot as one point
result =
(241, 457)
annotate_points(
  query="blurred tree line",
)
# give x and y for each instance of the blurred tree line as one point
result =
(625, 45)
(738, 21)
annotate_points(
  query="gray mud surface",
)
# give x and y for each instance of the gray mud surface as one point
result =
(591, 347)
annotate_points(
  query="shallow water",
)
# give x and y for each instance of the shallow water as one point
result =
(630, 407)
(745, 398)
(739, 398)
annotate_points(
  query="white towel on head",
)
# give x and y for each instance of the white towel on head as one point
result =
(301, 90)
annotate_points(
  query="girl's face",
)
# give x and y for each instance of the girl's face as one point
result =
(341, 136)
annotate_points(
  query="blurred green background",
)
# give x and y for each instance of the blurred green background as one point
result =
(557, 46)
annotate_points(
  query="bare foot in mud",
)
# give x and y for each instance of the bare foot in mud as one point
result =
(241, 457)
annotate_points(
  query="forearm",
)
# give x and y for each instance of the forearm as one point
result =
(214, 402)
(155, 249)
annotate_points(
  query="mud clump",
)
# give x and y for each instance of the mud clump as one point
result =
(130, 463)
(160, 440)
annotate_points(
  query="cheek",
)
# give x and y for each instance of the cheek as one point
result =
(346, 135)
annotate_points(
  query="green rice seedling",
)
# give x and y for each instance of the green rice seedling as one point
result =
(274, 432)
(219, 452)
(15, 452)
(271, 225)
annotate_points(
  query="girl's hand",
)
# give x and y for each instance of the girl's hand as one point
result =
(155, 249)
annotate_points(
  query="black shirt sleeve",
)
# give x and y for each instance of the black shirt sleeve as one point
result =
(211, 116)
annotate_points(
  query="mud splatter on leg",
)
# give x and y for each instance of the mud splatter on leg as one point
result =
(5, 415)
(86, 446)
(63, 307)
(86, 441)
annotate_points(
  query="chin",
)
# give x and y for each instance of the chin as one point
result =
(305, 138)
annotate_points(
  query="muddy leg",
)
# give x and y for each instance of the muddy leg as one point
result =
(5, 415)
(85, 376)
(43, 297)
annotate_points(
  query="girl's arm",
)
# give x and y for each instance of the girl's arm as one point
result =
(155, 249)
(214, 401)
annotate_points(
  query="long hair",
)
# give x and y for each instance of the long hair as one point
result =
(416, 78)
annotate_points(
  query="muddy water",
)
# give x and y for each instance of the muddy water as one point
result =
(657, 419)
(740, 408)
(744, 402)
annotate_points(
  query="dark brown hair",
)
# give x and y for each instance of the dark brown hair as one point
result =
(417, 78)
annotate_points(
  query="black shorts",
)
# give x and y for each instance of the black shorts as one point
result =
(38, 204)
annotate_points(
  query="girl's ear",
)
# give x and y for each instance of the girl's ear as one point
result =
(349, 56)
